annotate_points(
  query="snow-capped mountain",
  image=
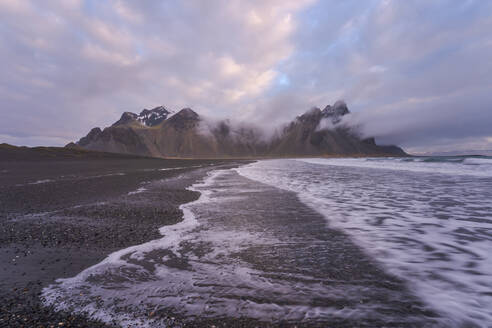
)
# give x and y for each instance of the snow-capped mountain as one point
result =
(147, 117)
(153, 117)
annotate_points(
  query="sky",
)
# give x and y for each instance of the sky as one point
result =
(417, 73)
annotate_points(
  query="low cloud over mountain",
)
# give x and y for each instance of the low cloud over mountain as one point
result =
(187, 134)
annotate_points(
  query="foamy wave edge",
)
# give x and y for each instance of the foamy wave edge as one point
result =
(51, 296)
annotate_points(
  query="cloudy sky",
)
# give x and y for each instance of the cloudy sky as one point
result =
(415, 72)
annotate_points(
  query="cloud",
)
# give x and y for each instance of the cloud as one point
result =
(415, 73)
(73, 65)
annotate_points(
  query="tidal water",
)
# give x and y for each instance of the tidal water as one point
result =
(342, 242)
(428, 220)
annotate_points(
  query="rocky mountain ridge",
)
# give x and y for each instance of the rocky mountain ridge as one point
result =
(147, 117)
(161, 133)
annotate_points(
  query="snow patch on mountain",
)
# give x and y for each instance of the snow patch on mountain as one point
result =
(153, 117)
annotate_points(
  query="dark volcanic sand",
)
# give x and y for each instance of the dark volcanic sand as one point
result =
(59, 217)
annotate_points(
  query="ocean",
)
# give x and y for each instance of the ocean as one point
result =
(343, 242)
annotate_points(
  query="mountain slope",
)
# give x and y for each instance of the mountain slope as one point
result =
(319, 132)
(160, 133)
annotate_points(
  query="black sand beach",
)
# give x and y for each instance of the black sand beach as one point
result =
(62, 214)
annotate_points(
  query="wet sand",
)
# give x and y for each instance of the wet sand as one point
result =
(255, 257)
(58, 217)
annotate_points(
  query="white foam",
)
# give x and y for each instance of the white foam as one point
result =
(41, 181)
(67, 290)
(419, 238)
(411, 164)
(179, 168)
(478, 161)
(104, 175)
(171, 168)
(216, 284)
(138, 191)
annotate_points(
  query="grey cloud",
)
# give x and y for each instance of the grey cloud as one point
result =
(416, 73)
(76, 64)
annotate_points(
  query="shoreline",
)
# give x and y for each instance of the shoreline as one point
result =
(361, 282)
(59, 228)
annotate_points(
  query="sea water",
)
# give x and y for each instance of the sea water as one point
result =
(426, 219)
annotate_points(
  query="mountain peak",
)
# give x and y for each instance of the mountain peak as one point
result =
(187, 112)
(154, 116)
(126, 118)
(90, 137)
(336, 111)
(185, 118)
(147, 117)
(312, 115)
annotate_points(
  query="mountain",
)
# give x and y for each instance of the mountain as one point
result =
(147, 117)
(159, 132)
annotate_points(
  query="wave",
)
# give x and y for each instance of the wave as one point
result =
(478, 161)
(76, 294)
(428, 230)
(479, 166)
(475, 159)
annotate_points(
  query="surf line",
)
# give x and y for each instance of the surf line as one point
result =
(66, 294)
